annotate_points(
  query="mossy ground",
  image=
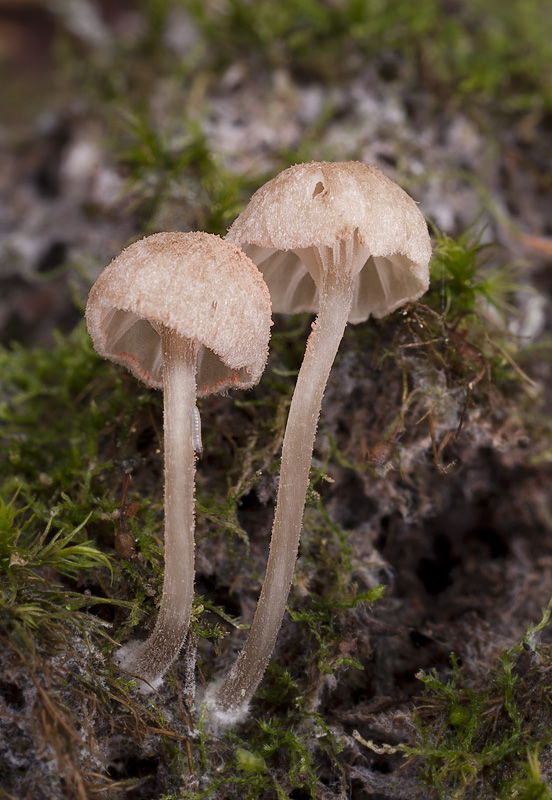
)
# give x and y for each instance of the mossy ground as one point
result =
(363, 697)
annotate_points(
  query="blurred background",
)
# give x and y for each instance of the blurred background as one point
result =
(122, 118)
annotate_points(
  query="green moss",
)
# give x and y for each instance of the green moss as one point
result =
(173, 172)
(270, 757)
(325, 562)
(464, 282)
(480, 736)
(54, 461)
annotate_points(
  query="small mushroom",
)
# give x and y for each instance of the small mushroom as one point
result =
(190, 314)
(343, 240)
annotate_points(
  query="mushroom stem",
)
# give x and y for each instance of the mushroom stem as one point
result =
(151, 659)
(231, 697)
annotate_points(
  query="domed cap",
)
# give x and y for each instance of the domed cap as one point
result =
(341, 206)
(195, 284)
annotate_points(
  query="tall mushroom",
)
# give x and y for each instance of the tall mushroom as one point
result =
(344, 240)
(188, 313)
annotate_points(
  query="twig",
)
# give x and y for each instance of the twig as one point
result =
(382, 749)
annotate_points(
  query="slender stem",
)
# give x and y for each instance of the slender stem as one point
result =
(151, 659)
(234, 693)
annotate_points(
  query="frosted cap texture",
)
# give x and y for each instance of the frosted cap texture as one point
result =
(324, 205)
(196, 284)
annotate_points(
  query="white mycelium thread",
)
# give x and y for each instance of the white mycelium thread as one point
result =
(196, 430)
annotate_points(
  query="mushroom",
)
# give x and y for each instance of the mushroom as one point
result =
(343, 240)
(190, 314)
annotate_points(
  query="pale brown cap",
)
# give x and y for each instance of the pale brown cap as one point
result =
(196, 284)
(336, 205)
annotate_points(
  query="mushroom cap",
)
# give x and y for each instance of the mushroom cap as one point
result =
(340, 205)
(195, 284)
